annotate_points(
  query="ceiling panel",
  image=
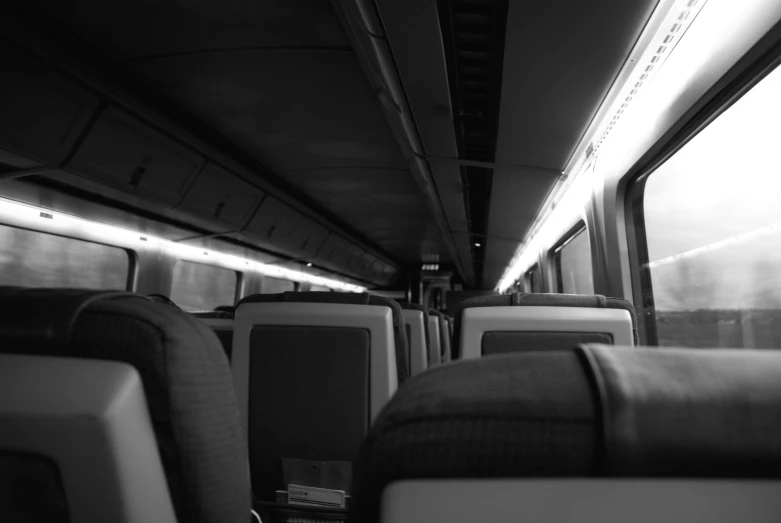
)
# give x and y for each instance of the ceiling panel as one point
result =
(557, 70)
(516, 197)
(280, 80)
(293, 110)
(144, 28)
(414, 35)
(383, 204)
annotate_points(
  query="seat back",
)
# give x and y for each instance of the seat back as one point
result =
(444, 336)
(77, 443)
(416, 322)
(434, 341)
(668, 430)
(185, 374)
(519, 322)
(312, 370)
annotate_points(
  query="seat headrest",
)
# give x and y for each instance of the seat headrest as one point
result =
(593, 411)
(42, 320)
(353, 298)
(684, 412)
(435, 312)
(414, 307)
(520, 299)
(162, 298)
(348, 298)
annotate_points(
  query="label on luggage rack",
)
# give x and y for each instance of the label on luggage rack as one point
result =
(315, 497)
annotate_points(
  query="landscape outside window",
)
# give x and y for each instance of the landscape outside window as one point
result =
(713, 227)
(38, 259)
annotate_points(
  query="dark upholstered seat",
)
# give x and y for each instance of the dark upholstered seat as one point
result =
(348, 298)
(594, 411)
(186, 379)
(509, 341)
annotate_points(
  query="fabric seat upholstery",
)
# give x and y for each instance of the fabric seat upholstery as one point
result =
(593, 411)
(186, 379)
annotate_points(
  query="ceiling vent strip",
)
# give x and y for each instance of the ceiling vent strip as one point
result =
(473, 33)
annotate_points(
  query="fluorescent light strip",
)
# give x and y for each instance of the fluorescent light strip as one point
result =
(681, 15)
(45, 220)
(550, 220)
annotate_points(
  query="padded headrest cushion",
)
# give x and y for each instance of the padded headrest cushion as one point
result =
(684, 412)
(593, 411)
(520, 299)
(161, 298)
(348, 298)
(42, 320)
(414, 307)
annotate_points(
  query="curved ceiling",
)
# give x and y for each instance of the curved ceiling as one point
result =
(526, 79)
(287, 81)
(281, 81)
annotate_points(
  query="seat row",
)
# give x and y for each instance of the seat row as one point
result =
(312, 374)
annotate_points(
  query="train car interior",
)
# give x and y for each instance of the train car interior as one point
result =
(292, 261)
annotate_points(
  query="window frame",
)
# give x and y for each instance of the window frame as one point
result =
(741, 78)
(132, 256)
(554, 253)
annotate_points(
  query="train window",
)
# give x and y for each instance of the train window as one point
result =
(533, 279)
(201, 287)
(276, 285)
(711, 275)
(37, 259)
(573, 264)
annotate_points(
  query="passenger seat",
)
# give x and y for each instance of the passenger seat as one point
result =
(186, 380)
(444, 335)
(312, 370)
(489, 325)
(416, 323)
(434, 341)
(600, 432)
(77, 444)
